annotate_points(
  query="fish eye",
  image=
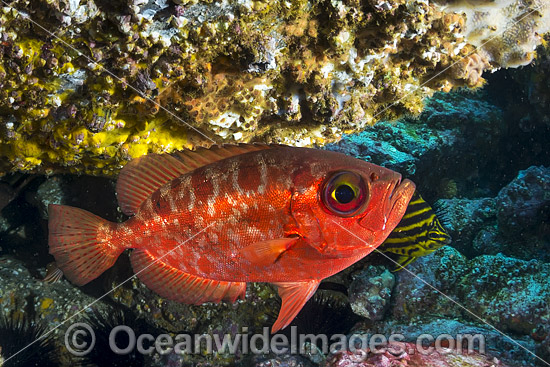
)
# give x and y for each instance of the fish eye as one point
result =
(345, 193)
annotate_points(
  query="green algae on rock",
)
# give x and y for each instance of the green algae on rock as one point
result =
(188, 73)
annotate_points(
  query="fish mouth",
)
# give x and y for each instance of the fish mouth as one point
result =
(385, 216)
(393, 190)
(399, 198)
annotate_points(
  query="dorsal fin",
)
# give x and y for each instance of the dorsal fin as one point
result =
(144, 175)
(193, 159)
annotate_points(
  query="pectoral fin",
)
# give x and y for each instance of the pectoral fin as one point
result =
(294, 296)
(268, 252)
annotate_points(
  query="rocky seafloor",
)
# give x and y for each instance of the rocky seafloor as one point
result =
(481, 158)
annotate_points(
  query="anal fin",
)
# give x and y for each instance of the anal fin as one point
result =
(176, 285)
(294, 296)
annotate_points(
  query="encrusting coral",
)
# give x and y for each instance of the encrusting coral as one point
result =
(87, 85)
(506, 32)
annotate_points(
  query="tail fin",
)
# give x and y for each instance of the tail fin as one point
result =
(81, 243)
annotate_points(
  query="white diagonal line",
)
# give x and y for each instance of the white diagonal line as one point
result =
(453, 64)
(446, 296)
(107, 293)
(110, 73)
(195, 129)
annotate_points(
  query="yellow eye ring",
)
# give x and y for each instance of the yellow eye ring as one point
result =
(345, 193)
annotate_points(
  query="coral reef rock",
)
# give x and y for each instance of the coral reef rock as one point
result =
(502, 347)
(515, 222)
(55, 305)
(509, 293)
(87, 85)
(523, 210)
(524, 204)
(283, 361)
(408, 355)
(443, 144)
(369, 292)
(465, 218)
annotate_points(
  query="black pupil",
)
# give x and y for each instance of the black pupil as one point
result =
(344, 194)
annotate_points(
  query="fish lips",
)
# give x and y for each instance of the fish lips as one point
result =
(386, 216)
(399, 200)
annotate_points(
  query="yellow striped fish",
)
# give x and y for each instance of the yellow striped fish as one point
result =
(418, 234)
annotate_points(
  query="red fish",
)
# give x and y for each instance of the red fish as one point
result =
(206, 222)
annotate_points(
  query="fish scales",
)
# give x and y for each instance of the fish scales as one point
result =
(205, 223)
(241, 181)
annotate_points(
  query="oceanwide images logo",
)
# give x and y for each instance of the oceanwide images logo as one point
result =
(80, 340)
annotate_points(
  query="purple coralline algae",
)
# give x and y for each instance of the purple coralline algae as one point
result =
(407, 355)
